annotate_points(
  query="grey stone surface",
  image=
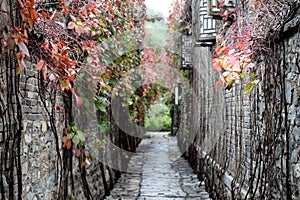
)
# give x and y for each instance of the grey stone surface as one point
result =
(162, 174)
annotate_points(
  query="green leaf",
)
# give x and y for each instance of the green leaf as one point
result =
(80, 135)
(252, 75)
(75, 140)
(103, 128)
(249, 88)
(74, 128)
(113, 81)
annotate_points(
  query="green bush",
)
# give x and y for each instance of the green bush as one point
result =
(158, 118)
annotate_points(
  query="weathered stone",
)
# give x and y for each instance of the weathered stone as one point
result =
(296, 134)
(297, 171)
(297, 121)
(44, 127)
(288, 93)
(295, 156)
(278, 151)
(27, 138)
(296, 97)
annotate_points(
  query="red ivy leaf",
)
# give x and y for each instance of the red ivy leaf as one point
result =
(45, 45)
(11, 43)
(71, 25)
(216, 65)
(45, 14)
(69, 144)
(58, 107)
(79, 100)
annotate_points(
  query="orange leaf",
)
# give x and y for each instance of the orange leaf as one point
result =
(67, 143)
(219, 84)
(45, 14)
(45, 70)
(40, 65)
(64, 139)
(20, 62)
(67, 61)
(18, 69)
(64, 84)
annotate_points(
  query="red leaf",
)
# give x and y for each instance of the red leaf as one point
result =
(225, 50)
(240, 45)
(79, 100)
(216, 65)
(69, 144)
(218, 48)
(10, 43)
(58, 107)
(72, 78)
(71, 25)
(45, 45)
(40, 65)
(45, 14)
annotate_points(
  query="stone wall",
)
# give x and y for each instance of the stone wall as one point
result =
(38, 147)
(248, 146)
(32, 120)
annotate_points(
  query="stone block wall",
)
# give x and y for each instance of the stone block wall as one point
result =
(38, 147)
(248, 147)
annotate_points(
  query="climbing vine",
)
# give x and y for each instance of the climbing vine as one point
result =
(71, 41)
(244, 38)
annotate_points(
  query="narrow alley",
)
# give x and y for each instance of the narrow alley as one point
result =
(159, 172)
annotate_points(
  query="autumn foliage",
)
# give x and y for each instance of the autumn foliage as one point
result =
(66, 38)
(243, 41)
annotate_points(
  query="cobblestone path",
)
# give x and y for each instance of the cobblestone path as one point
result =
(158, 173)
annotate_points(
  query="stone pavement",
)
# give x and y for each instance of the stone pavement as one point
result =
(158, 172)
